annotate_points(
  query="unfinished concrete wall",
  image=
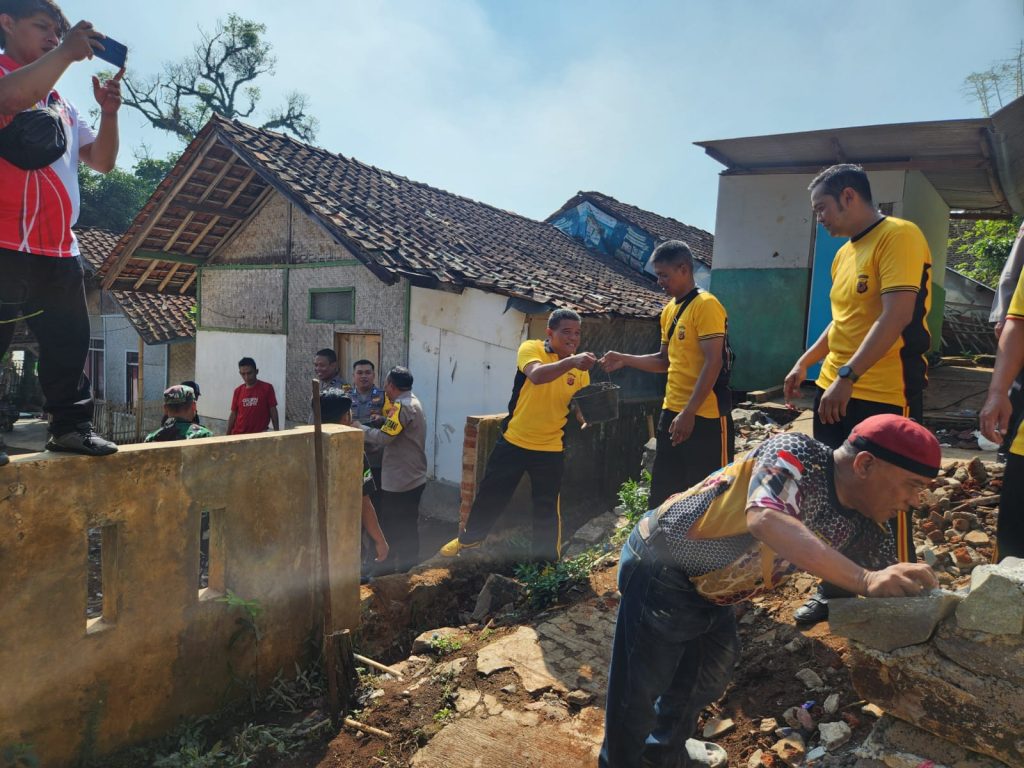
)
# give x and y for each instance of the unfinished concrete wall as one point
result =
(162, 648)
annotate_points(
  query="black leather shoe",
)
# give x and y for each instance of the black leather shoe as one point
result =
(813, 611)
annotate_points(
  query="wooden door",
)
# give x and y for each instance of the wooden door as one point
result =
(357, 346)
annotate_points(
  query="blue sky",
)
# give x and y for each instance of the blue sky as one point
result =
(521, 104)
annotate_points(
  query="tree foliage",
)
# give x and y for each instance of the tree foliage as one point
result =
(998, 85)
(987, 245)
(112, 200)
(218, 76)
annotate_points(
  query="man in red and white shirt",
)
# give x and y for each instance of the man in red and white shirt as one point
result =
(40, 272)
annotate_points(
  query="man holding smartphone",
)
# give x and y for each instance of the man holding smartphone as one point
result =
(40, 269)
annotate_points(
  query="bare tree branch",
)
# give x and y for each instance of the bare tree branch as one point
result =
(218, 77)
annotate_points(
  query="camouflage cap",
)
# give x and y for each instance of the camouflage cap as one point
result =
(179, 394)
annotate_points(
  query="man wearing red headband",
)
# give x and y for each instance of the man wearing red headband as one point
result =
(793, 504)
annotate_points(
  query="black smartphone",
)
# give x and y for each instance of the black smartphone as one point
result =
(113, 52)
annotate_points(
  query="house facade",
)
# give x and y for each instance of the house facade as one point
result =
(289, 248)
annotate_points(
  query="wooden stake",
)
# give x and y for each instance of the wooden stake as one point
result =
(325, 571)
(377, 665)
(366, 728)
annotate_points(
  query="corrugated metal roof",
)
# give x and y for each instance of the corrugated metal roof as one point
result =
(974, 164)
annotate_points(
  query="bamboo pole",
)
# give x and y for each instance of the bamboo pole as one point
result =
(377, 665)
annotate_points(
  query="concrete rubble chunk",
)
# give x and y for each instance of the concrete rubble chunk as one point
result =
(995, 603)
(768, 725)
(422, 644)
(791, 749)
(831, 705)
(888, 623)
(893, 743)
(497, 591)
(834, 735)
(718, 726)
(810, 678)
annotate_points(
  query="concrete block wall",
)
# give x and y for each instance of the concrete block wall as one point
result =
(78, 689)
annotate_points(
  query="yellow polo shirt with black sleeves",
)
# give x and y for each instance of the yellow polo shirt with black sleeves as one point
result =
(890, 256)
(1016, 311)
(538, 412)
(703, 319)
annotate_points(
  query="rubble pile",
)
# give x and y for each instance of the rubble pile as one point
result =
(753, 427)
(955, 528)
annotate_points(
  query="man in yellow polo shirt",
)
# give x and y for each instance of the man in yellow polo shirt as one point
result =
(694, 433)
(874, 348)
(548, 374)
(995, 421)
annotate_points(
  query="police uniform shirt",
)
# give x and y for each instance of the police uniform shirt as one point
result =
(538, 412)
(891, 256)
(703, 319)
(1016, 312)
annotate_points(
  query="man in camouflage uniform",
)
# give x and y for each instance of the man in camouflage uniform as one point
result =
(179, 412)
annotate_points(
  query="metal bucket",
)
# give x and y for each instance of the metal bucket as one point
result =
(598, 402)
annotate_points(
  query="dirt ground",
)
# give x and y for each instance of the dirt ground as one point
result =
(764, 686)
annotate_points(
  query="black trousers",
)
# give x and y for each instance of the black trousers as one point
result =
(1010, 525)
(49, 294)
(833, 435)
(505, 468)
(399, 515)
(710, 447)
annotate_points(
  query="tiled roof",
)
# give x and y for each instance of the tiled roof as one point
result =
(660, 227)
(158, 319)
(95, 245)
(396, 227)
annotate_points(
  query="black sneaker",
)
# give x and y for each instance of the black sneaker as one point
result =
(815, 610)
(83, 440)
(3, 454)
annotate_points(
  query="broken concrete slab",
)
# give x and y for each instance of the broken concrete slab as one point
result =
(920, 685)
(888, 623)
(539, 743)
(893, 743)
(834, 735)
(995, 603)
(498, 591)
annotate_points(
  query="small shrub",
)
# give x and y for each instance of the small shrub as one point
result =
(546, 583)
(444, 644)
(633, 497)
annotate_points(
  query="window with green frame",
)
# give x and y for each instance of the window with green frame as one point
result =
(332, 305)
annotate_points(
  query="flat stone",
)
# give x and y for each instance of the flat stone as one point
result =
(579, 698)
(467, 699)
(831, 705)
(977, 538)
(718, 726)
(995, 603)
(834, 735)
(754, 761)
(452, 668)
(816, 754)
(809, 677)
(497, 591)
(888, 623)
(791, 749)
(522, 653)
(422, 643)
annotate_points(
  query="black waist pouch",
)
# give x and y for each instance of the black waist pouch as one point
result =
(34, 139)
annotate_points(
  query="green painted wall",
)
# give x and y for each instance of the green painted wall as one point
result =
(767, 317)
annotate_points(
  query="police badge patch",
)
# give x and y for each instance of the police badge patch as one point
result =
(862, 283)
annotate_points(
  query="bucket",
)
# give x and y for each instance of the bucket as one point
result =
(598, 402)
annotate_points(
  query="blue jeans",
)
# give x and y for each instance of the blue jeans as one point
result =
(673, 655)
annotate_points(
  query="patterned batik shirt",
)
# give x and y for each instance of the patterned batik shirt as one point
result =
(705, 527)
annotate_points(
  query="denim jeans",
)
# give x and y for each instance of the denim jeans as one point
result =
(673, 655)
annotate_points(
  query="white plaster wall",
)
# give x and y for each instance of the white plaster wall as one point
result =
(462, 353)
(217, 356)
(926, 208)
(765, 222)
